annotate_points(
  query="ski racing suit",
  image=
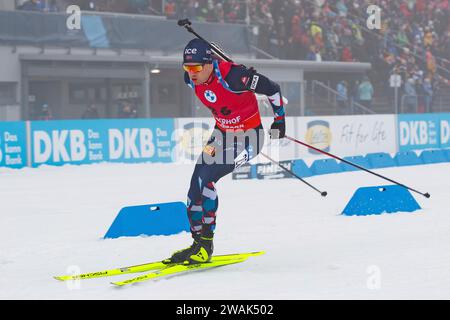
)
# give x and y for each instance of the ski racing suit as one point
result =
(230, 96)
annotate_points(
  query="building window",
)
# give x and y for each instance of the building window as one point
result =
(167, 93)
(8, 93)
(83, 94)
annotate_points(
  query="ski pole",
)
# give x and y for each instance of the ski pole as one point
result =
(217, 50)
(322, 193)
(426, 195)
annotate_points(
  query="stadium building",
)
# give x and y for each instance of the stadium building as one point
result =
(112, 59)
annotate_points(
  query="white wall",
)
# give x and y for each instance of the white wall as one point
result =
(10, 72)
(7, 5)
(9, 65)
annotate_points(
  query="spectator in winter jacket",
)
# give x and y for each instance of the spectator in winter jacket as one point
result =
(127, 111)
(170, 9)
(365, 93)
(91, 112)
(342, 97)
(347, 55)
(314, 54)
(410, 97)
(431, 62)
(45, 113)
(428, 90)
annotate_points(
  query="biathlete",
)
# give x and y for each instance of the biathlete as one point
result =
(228, 90)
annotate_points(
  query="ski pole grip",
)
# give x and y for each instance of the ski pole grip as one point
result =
(184, 22)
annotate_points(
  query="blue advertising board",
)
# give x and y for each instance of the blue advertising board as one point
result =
(13, 145)
(445, 130)
(92, 141)
(423, 131)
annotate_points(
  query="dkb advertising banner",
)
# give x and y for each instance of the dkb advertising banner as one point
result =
(423, 131)
(445, 130)
(13, 145)
(92, 141)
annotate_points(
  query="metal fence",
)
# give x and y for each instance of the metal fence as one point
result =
(330, 101)
(424, 103)
(322, 99)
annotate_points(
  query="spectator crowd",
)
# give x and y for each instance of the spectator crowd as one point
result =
(413, 41)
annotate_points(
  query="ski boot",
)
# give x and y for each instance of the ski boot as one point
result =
(184, 254)
(203, 250)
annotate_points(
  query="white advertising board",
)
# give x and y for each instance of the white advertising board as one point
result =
(347, 135)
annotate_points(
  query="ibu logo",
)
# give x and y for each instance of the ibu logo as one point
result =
(131, 143)
(59, 146)
(210, 96)
(418, 133)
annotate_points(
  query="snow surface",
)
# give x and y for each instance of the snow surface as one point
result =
(52, 220)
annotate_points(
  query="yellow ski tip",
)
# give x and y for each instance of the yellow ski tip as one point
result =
(256, 254)
(66, 278)
(120, 284)
(117, 284)
(251, 254)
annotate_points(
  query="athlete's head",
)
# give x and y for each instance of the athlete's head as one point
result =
(197, 61)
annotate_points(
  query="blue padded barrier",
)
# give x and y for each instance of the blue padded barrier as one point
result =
(407, 158)
(359, 160)
(380, 160)
(378, 200)
(150, 220)
(325, 166)
(447, 154)
(433, 156)
(300, 168)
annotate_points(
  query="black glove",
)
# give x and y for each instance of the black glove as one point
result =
(278, 129)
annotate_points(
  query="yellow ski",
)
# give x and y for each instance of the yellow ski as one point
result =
(145, 267)
(178, 269)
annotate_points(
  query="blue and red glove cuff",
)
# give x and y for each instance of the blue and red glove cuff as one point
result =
(280, 119)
